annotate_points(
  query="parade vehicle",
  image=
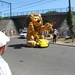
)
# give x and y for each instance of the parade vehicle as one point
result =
(35, 29)
(42, 43)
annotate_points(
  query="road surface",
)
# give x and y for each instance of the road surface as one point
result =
(54, 60)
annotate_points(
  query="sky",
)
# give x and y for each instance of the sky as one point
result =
(31, 5)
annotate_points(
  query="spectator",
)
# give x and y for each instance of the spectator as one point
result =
(14, 32)
(11, 32)
(55, 33)
(20, 30)
(73, 35)
(3, 31)
(4, 67)
(46, 33)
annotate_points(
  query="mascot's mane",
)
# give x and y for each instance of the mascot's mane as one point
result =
(30, 17)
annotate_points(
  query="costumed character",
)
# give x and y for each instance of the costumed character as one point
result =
(35, 28)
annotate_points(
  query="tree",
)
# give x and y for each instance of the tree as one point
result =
(49, 12)
(70, 18)
(0, 18)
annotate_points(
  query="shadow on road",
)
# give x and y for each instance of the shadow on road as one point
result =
(20, 46)
(17, 46)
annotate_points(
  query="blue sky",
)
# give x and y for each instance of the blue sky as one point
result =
(30, 5)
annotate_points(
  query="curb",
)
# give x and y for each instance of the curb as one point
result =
(13, 36)
(57, 43)
(64, 44)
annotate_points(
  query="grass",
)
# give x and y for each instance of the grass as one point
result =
(61, 39)
(65, 40)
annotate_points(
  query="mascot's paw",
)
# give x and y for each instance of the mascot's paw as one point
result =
(48, 26)
(30, 27)
(31, 43)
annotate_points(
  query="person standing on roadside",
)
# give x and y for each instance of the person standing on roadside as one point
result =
(4, 67)
(55, 33)
(73, 35)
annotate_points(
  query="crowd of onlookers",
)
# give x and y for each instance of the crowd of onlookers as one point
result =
(10, 32)
(22, 30)
(54, 32)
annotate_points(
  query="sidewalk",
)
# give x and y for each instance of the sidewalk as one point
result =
(72, 44)
(14, 36)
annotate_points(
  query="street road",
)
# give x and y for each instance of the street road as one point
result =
(54, 60)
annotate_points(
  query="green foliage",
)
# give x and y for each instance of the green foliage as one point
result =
(0, 18)
(49, 12)
(69, 19)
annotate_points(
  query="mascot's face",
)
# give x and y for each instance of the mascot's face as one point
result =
(36, 19)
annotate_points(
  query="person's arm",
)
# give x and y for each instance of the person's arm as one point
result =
(7, 70)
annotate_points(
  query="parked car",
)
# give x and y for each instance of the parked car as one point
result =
(68, 37)
(23, 34)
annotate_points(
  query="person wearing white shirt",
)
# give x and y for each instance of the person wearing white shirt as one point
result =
(55, 33)
(4, 67)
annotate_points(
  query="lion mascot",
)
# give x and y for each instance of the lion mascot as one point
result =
(35, 28)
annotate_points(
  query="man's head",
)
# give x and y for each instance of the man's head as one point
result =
(55, 29)
(3, 41)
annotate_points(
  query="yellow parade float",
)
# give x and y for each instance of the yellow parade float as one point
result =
(35, 28)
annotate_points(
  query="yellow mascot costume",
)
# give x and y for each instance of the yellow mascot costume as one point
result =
(35, 28)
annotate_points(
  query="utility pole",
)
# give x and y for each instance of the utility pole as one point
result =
(69, 5)
(69, 17)
(10, 10)
(10, 6)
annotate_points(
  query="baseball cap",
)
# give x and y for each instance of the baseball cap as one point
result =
(3, 39)
(54, 29)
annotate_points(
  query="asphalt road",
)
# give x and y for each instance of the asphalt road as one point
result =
(54, 60)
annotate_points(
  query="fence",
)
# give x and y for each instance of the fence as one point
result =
(57, 10)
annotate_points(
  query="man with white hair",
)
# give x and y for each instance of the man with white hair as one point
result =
(4, 67)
